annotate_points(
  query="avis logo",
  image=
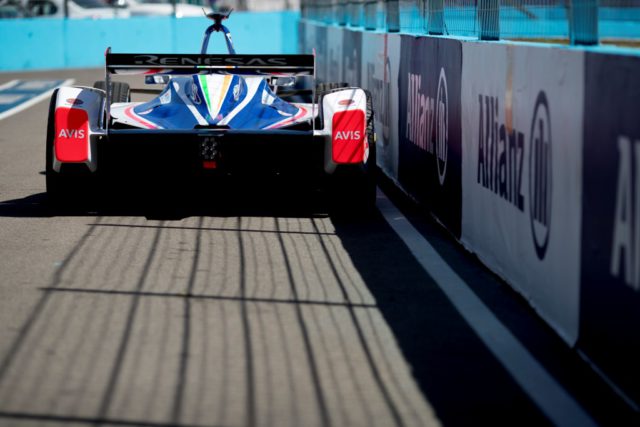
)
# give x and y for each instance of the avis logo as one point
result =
(74, 101)
(427, 122)
(348, 135)
(625, 250)
(501, 157)
(71, 133)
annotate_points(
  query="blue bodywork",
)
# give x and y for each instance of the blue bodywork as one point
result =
(251, 109)
(212, 100)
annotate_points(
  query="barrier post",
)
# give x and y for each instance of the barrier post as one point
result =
(434, 12)
(340, 12)
(370, 7)
(583, 22)
(328, 16)
(393, 16)
(489, 17)
(356, 12)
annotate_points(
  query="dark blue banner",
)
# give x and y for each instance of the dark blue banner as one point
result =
(610, 292)
(430, 151)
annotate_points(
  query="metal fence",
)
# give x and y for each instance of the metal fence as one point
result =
(558, 21)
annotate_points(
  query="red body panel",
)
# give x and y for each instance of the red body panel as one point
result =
(71, 135)
(348, 136)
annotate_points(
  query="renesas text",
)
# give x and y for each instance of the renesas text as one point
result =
(222, 60)
(500, 154)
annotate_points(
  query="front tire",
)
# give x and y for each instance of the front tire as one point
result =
(55, 185)
(325, 88)
(120, 92)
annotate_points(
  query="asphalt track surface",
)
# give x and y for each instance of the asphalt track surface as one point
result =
(265, 311)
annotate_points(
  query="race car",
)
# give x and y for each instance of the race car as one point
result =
(214, 116)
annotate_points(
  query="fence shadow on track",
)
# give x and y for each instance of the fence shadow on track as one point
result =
(451, 366)
(254, 311)
(245, 314)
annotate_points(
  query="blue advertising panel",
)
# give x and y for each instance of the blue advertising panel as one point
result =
(430, 150)
(610, 281)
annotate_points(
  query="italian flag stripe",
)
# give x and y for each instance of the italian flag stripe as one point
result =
(205, 90)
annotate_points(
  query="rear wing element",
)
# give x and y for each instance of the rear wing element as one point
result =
(273, 65)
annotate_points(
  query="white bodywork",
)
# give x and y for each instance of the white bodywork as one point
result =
(337, 101)
(331, 103)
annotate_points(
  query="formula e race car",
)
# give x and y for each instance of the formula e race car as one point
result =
(215, 116)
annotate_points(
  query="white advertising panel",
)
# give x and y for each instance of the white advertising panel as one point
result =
(380, 63)
(521, 171)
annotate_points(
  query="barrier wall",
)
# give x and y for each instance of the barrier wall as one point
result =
(48, 43)
(529, 155)
(522, 162)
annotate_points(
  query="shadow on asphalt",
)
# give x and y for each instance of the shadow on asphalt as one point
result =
(228, 203)
(450, 365)
(456, 373)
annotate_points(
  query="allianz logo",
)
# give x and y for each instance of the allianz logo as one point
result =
(625, 250)
(427, 121)
(501, 159)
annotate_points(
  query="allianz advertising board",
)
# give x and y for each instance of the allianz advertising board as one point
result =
(430, 141)
(522, 162)
(610, 295)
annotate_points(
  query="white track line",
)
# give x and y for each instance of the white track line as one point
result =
(9, 84)
(33, 100)
(554, 401)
